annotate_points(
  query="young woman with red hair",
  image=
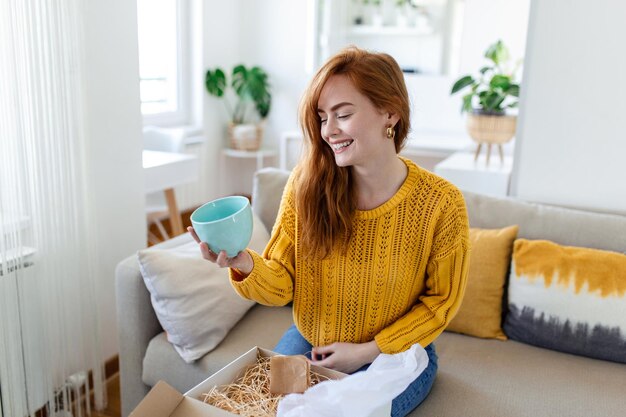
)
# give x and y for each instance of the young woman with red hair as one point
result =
(371, 249)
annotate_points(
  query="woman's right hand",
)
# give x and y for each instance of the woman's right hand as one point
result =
(242, 262)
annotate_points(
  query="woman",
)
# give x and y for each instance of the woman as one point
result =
(371, 249)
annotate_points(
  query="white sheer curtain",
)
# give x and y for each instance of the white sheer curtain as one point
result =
(49, 342)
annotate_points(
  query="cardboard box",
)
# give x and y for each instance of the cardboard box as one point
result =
(165, 401)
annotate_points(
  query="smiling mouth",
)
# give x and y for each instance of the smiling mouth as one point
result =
(341, 145)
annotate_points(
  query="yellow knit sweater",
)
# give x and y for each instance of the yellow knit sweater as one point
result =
(400, 282)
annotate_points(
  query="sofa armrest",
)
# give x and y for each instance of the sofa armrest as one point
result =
(137, 324)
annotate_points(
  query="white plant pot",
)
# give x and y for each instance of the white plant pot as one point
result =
(245, 137)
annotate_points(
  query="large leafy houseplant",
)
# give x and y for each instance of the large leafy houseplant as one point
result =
(251, 89)
(494, 90)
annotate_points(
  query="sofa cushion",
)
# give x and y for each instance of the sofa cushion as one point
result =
(487, 377)
(569, 299)
(262, 326)
(480, 313)
(192, 297)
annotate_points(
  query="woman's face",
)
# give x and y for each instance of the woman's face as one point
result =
(351, 125)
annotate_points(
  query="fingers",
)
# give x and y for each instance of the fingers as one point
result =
(207, 253)
(193, 234)
(327, 362)
(222, 259)
(320, 354)
(317, 357)
(324, 350)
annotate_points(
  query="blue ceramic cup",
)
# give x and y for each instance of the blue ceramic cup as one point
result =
(224, 224)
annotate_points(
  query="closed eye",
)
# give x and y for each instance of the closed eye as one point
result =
(340, 117)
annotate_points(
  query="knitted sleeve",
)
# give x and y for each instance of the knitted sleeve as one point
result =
(271, 279)
(446, 277)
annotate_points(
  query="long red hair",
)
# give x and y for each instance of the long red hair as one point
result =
(325, 194)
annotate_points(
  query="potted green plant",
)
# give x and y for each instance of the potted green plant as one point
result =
(251, 91)
(489, 95)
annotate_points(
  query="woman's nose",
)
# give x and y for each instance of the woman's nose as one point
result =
(330, 128)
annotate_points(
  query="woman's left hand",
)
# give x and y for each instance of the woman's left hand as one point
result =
(345, 357)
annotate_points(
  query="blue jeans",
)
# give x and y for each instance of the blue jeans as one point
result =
(292, 343)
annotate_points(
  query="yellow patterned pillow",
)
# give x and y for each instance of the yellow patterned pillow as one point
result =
(569, 299)
(480, 313)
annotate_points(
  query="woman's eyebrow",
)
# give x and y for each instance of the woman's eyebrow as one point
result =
(336, 106)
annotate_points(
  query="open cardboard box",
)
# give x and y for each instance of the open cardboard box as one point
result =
(165, 401)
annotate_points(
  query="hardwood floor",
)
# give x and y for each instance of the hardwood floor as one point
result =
(153, 230)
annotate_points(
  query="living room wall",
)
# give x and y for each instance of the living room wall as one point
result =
(571, 147)
(272, 34)
(275, 35)
(220, 35)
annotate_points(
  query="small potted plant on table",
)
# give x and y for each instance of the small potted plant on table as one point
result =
(489, 95)
(252, 103)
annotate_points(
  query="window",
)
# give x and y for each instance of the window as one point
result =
(162, 61)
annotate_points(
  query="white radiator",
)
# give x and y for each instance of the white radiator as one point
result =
(22, 366)
(191, 195)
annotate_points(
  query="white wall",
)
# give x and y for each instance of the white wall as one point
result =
(221, 33)
(274, 36)
(113, 130)
(271, 34)
(486, 21)
(571, 141)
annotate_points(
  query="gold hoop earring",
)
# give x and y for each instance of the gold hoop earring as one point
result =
(391, 133)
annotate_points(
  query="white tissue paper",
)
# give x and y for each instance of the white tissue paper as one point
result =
(362, 394)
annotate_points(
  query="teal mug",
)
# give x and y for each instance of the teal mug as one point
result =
(224, 224)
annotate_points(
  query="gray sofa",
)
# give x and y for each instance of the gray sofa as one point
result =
(477, 377)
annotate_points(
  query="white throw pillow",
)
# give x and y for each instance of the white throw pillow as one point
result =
(192, 297)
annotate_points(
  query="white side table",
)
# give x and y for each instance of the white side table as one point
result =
(259, 155)
(165, 170)
(476, 176)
